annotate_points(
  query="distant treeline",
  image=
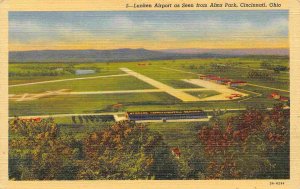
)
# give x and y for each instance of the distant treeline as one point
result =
(52, 69)
(274, 67)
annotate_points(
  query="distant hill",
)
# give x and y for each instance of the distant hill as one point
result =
(232, 52)
(119, 55)
(97, 55)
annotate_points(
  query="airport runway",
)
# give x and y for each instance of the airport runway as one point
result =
(185, 97)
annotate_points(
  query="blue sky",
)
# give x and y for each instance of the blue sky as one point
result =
(148, 29)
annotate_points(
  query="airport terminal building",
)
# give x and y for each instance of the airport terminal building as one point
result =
(166, 115)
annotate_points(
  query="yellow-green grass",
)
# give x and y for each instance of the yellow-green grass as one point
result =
(263, 91)
(99, 84)
(70, 104)
(203, 94)
(21, 68)
(131, 102)
(156, 71)
(237, 71)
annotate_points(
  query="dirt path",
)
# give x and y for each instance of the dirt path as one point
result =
(71, 79)
(170, 90)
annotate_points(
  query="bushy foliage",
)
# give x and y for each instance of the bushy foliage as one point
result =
(46, 69)
(261, 74)
(36, 152)
(249, 145)
(215, 67)
(124, 151)
(32, 71)
(275, 68)
(245, 146)
(127, 151)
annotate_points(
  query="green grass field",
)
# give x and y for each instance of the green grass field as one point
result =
(169, 72)
(32, 72)
(87, 103)
(100, 84)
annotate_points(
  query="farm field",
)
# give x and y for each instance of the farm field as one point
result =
(130, 91)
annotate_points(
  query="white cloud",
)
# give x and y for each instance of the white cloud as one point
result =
(24, 26)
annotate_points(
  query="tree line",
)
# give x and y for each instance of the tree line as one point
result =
(253, 144)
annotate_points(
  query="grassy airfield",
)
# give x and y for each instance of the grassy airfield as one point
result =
(168, 72)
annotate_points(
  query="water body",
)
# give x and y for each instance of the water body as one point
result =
(84, 72)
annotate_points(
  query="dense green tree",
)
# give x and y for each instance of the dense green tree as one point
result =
(127, 151)
(36, 152)
(253, 144)
(248, 145)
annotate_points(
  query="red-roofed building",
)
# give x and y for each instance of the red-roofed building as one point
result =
(223, 80)
(209, 77)
(214, 78)
(236, 83)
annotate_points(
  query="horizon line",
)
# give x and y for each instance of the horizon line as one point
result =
(260, 48)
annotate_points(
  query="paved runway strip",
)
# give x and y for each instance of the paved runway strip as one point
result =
(170, 90)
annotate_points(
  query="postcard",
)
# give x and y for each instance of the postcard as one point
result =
(150, 94)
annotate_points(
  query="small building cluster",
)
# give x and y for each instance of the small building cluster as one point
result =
(223, 81)
(279, 97)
